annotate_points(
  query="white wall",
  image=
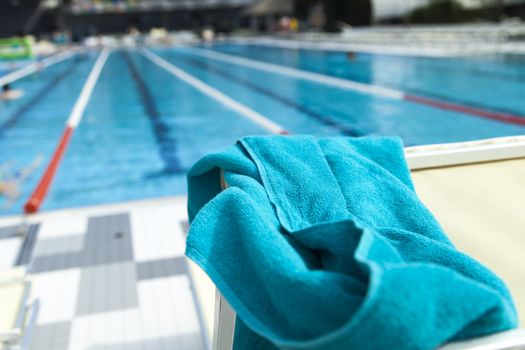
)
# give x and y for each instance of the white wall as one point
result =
(396, 8)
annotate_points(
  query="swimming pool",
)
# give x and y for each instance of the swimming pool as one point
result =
(144, 127)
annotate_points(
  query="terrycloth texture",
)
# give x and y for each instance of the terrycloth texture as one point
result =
(323, 244)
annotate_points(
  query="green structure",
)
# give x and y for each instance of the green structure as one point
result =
(15, 48)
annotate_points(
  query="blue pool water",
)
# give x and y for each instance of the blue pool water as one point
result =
(482, 81)
(143, 128)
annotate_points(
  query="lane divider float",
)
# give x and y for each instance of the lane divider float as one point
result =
(35, 201)
(369, 89)
(298, 73)
(478, 112)
(268, 92)
(36, 66)
(227, 101)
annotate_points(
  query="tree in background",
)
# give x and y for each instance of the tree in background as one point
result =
(451, 11)
(439, 11)
(353, 12)
(492, 10)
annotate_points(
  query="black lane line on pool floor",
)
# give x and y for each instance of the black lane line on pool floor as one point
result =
(440, 99)
(36, 98)
(167, 145)
(431, 66)
(323, 119)
(421, 93)
(430, 94)
(487, 74)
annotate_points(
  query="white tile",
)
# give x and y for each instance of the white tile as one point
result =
(64, 226)
(180, 209)
(95, 331)
(9, 249)
(57, 292)
(167, 307)
(156, 233)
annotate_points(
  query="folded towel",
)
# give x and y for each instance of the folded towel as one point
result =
(323, 244)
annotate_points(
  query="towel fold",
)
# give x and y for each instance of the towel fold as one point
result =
(324, 244)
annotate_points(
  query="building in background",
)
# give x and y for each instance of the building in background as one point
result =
(90, 17)
(393, 10)
(17, 17)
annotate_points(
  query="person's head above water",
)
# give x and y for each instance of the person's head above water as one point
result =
(351, 55)
(7, 93)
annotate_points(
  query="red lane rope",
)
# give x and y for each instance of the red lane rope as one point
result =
(36, 199)
(503, 117)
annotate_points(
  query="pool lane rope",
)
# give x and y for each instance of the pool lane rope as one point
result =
(268, 92)
(35, 201)
(369, 89)
(345, 84)
(227, 101)
(36, 66)
(36, 98)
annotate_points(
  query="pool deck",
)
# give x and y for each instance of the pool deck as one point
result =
(109, 277)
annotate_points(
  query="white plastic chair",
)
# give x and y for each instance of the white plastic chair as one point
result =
(17, 316)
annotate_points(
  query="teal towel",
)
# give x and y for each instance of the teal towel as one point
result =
(324, 244)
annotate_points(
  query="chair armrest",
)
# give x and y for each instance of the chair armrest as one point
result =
(13, 275)
(225, 324)
(514, 339)
(30, 324)
(13, 297)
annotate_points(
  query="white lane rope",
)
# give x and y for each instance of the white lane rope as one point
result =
(87, 89)
(298, 73)
(36, 66)
(210, 91)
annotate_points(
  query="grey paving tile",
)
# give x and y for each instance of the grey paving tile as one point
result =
(48, 263)
(51, 336)
(105, 288)
(108, 240)
(8, 232)
(125, 346)
(26, 251)
(191, 341)
(185, 227)
(161, 268)
(59, 245)
(40, 345)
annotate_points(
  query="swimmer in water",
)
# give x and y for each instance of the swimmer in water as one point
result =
(10, 183)
(351, 56)
(10, 94)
